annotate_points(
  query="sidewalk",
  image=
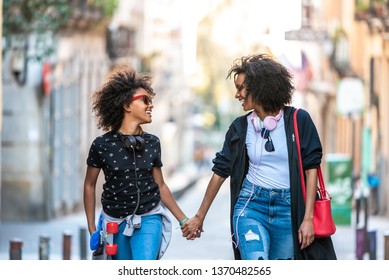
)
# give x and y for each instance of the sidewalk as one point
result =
(345, 240)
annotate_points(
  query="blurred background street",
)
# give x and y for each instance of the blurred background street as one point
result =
(56, 53)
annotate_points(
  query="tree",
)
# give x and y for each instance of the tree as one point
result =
(22, 18)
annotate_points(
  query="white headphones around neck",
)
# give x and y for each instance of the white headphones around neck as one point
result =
(269, 123)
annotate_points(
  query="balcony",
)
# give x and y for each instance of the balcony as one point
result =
(83, 15)
(374, 12)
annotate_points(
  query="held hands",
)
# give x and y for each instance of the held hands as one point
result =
(192, 228)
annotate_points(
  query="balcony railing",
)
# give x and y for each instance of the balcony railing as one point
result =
(84, 15)
(374, 12)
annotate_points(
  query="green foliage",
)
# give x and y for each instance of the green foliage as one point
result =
(108, 7)
(361, 5)
(364, 5)
(339, 33)
(28, 16)
(22, 18)
(44, 19)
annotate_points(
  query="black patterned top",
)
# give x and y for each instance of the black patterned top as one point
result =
(119, 197)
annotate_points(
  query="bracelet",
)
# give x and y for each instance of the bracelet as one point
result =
(183, 221)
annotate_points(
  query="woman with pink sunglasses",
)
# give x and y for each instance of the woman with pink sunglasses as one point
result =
(134, 194)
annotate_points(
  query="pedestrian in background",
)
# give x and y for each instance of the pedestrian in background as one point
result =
(134, 192)
(269, 219)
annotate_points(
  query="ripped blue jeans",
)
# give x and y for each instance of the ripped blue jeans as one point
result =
(262, 223)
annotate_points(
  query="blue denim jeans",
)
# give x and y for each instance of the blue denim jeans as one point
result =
(262, 223)
(144, 244)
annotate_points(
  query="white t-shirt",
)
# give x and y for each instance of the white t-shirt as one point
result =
(268, 169)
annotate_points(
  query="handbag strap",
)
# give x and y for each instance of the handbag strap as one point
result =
(322, 191)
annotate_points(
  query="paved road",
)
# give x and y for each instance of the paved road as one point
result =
(213, 245)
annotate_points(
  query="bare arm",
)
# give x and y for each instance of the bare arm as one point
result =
(196, 223)
(306, 231)
(166, 195)
(91, 176)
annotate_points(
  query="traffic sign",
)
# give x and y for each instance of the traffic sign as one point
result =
(350, 96)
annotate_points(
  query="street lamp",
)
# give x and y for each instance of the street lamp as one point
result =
(340, 57)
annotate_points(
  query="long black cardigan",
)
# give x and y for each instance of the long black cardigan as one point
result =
(232, 161)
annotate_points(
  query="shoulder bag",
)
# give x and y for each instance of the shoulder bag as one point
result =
(322, 216)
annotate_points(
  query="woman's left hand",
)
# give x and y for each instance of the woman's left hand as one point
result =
(306, 234)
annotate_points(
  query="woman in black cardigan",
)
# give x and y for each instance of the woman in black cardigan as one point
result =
(269, 219)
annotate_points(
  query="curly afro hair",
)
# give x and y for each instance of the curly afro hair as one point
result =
(109, 99)
(267, 80)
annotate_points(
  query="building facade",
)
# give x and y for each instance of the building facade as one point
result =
(360, 42)
(48, 124)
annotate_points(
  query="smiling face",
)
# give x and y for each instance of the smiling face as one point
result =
(241, 93)
(141, 106)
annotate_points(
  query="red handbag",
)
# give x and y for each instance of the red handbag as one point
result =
(322, 216)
